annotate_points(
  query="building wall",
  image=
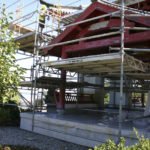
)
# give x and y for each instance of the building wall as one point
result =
(98, 93)
(115, 97)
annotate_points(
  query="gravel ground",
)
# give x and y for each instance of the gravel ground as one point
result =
(16, 136)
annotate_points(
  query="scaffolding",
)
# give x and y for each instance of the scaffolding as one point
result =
(46, 73)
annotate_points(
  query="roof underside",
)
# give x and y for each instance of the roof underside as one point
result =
(27, 42)
(19, 28)
(131, 75)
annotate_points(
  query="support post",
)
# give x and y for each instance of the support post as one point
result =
(61, 103)
(121, 73)
(142, 99)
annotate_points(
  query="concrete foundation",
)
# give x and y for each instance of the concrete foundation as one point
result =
(72, 106)
(88, 128)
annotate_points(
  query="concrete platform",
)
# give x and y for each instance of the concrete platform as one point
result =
(86, 127)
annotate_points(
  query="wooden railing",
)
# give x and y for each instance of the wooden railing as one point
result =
(73, 98)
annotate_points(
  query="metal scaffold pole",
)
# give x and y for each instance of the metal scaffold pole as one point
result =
(121, 71)
(35, 71)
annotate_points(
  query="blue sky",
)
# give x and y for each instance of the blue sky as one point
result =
(62, 2)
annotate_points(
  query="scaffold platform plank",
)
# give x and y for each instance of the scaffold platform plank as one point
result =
(48, 82)
(99, 63)
(134, 75)
(129, 2)
(27, 42)
(19, 29)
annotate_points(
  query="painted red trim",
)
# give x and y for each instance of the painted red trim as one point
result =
(94, 6)
(71, 31)
(131, 39)
(61, 103)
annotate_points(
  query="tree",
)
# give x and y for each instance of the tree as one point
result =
(10, 72)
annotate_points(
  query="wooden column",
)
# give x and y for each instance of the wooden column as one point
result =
(61, 102)
(142, 99)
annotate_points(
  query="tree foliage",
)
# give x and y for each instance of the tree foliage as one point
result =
(10, 72)
(142, 144)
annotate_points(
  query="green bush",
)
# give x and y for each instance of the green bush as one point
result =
(9, 116)
(142, 144)
(4, 117)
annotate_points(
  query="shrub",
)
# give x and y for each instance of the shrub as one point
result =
(4, 117)
(9, 116)
(142, 144)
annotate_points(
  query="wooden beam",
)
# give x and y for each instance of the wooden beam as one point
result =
(114, 41)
